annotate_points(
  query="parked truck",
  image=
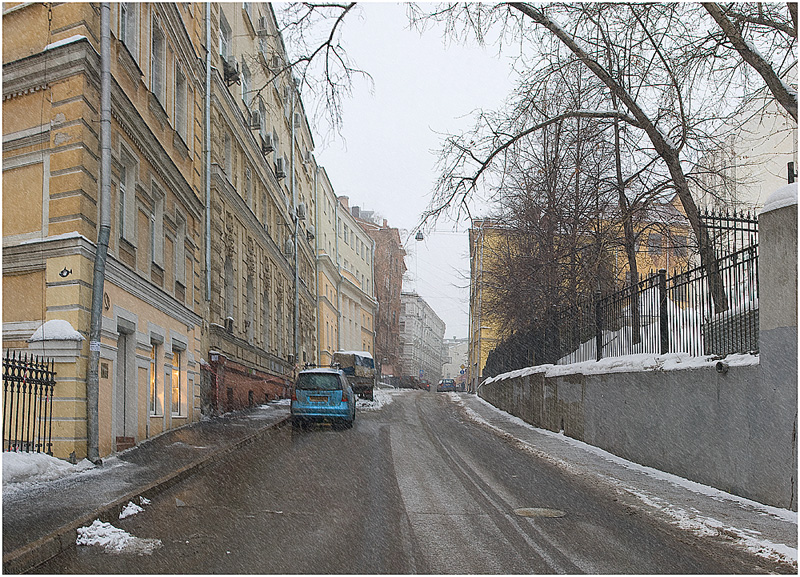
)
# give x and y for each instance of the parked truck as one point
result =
(359, 367)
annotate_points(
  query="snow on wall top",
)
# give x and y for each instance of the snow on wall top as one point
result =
(630, 364)
(783, 197)
(56, 330)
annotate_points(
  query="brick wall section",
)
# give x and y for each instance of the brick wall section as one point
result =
(389, 267)
(234, 386)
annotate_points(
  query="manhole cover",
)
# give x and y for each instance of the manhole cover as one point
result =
(538, 512)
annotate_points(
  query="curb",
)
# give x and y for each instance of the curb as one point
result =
(45, 548)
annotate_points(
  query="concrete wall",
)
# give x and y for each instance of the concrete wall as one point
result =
(735, 431)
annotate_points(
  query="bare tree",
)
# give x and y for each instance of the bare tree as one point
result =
(734, 19)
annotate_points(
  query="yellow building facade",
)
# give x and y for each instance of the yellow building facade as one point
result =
(151, 323)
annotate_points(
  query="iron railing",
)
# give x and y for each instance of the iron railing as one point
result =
(28, 384)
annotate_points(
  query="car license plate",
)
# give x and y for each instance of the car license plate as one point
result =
(318, 399)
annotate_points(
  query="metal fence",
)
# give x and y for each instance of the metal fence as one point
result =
(674, 314)
(28, 384)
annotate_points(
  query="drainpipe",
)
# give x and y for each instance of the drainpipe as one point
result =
(339, 277)
(98, 282)
(318, 360)
(207, 143)
(296, 225)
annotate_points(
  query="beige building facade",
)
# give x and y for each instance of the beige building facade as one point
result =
(152, 301)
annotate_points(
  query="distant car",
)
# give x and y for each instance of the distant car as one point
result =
(323, 394)
(446, 385)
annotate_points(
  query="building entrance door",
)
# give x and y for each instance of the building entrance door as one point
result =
(124, 398)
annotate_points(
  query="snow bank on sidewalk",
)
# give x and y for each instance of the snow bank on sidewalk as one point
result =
(33, 467)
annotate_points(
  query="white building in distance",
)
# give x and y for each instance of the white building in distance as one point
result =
(421, 337)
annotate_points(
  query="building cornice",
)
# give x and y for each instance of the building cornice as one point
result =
(33, 255)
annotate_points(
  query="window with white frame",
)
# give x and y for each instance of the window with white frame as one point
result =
(127, 197)
(181, 104)
(224, 37)
(177, 383)
(129, 27)
(158, 63)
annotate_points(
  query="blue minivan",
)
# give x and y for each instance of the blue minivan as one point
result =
(323, 394)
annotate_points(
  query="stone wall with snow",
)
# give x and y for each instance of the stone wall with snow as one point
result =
(734, 428)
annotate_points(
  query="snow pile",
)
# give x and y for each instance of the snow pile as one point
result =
(380, 398)
(115, 540)
(56, 329)
(31, 467)
(281, 403)
(130, 509)
(783, 197)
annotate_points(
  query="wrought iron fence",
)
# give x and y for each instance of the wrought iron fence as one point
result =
(677, 313)
(28, 384)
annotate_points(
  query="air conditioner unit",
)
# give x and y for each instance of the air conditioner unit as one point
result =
(255, 120)
(288, 247)
(298, 119)
(230, 70)
(261, 28)
(267, 144)
(280, 167)
(229, 324)
(307, 157)
(301, 211)
(310, 232)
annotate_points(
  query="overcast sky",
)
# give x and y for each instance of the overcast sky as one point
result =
(385, 160)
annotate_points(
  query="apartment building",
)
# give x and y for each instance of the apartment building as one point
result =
(152, 314)
(261, 266)
(422, 337)
(389, 267)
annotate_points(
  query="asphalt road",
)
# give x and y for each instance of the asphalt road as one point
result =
(413, 488)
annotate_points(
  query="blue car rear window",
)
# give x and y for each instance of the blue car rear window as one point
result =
(318, 382)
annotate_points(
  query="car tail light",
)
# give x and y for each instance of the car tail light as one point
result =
(344, 397)
(294, 395)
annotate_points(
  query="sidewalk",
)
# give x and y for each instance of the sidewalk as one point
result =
(41, 520)
(763, 530)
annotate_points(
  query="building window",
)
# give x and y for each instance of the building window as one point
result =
(228, 155)
(157, 228)
(129, 27)
(229, 287)
(267, 328)
(180, 250)
(654, 243)
(155, 395)
(181, 104)
(224, 37)
(246, 94)
(158, 64)
(248, 186)
(127, 198)
(177, 383)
